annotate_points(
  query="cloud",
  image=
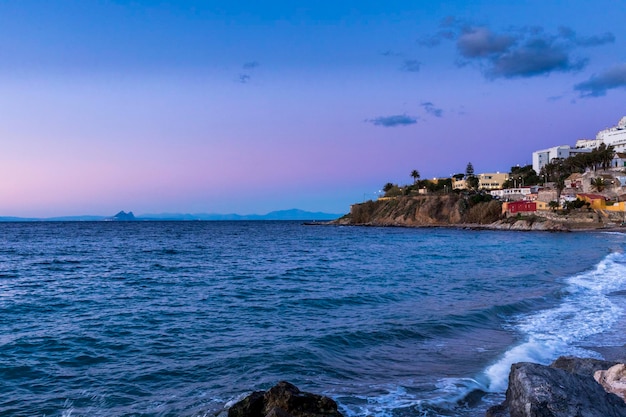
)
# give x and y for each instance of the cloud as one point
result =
(597, 85)
(389, 52)
(250, 65)
(245, 77)
(596, 40)
(411, 65)
(393, 121)
(436, 39)
(480, 42)
(516, 53)
(449, 27)
(587, 41)
(431, 109)
(536, 57)
(450, 21)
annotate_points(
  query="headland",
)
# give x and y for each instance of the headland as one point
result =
(477, 211)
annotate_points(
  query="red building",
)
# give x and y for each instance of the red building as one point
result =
(521, 207)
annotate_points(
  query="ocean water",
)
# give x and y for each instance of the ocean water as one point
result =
(183, 318)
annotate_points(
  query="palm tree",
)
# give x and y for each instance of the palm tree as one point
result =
(598, 183)
(416, 176)
(560, 186)
(606, 155)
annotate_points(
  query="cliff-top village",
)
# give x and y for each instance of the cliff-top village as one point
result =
(591, 174)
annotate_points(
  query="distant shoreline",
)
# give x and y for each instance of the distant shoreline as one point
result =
(288, 215)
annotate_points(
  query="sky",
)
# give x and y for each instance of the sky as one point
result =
(247, 107)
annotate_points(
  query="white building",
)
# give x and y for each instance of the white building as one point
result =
(512, 194)
(545, 156)
(614, 136)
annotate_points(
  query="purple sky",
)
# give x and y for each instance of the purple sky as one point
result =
(248, 107)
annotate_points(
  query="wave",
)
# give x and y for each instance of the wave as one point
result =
(585, 311)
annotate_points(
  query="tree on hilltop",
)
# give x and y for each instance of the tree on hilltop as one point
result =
(416, 176)
(471, 179)
(522, 175)
(388, 187)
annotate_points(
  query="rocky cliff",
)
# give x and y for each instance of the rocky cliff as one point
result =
(461, 211)
(442, 210)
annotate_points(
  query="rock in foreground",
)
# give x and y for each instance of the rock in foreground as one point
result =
(564, 389)
(613, 380)
(284, 400)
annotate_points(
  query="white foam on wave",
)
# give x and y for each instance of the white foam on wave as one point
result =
(383, 405)
(397, 398)
(585, 311)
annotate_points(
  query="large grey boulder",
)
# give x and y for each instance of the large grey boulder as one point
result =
(284, 400)
(564, 389)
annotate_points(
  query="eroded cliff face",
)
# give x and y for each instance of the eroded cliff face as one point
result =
(449, 209)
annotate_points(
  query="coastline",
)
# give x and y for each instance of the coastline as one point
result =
(518, 226)
(456, 211)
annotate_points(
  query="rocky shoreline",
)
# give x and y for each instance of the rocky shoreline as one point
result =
(565, 388)
(569, 387)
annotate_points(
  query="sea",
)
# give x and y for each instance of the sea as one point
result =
(185, 318)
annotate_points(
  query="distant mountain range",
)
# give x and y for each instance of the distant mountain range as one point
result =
(293, 214)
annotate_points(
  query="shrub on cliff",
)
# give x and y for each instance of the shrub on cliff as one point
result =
(483, 212)
(362, 213)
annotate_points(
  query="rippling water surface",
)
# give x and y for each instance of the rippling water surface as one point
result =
(178, 319)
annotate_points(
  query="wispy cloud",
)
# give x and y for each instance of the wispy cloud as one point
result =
(393, 121)
(595, 40)
(517, 53)
(243, 78)
(431, 109)
(437, 38)
(408, 65)
(450, 27)
(389, 52)
(598, 85)
(411, 65)
(248, 67)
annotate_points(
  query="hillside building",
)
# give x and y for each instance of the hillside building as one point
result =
(492, 181)
(545, 156)
(613, 136)
(459, 184)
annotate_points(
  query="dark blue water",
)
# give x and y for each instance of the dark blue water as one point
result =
(178, 319)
